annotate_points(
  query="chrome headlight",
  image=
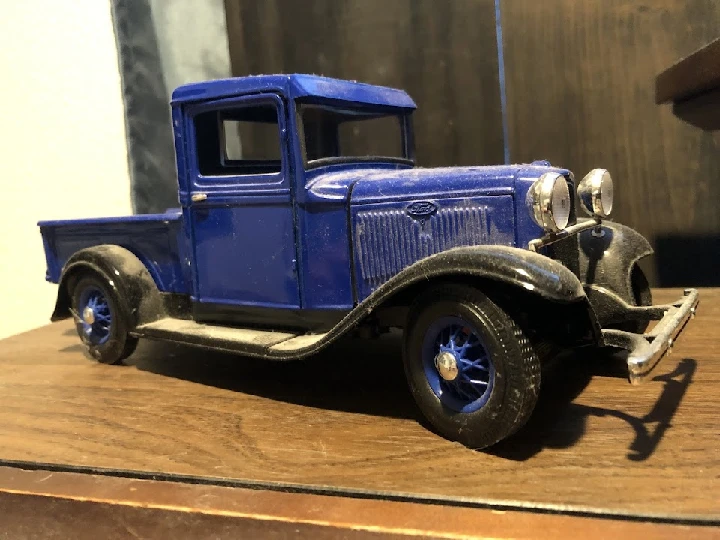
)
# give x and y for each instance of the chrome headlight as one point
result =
(549, 198)
(596, 193)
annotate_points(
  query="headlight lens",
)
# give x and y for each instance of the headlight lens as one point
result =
(549, 198)
(596, 193)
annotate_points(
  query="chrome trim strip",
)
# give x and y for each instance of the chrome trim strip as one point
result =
(550, 238)
(647, 350)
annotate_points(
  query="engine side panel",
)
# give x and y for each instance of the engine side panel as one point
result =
(389, 237)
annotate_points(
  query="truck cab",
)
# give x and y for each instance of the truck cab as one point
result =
(303, 217)
(264, 185)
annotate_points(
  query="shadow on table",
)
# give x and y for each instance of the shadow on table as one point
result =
(352, 375)
(361, 376)
(557, 422)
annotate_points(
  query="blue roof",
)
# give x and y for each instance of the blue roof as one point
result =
(294, 86)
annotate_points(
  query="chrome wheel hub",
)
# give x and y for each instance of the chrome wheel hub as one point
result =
(446, 365)
(88, 315)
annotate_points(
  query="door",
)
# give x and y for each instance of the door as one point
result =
(240, 207)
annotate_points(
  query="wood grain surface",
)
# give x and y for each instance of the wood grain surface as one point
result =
(344, 422)
(49, 503)
(581, 93)
(443, 53)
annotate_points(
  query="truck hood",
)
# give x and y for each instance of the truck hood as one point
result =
(371, 185)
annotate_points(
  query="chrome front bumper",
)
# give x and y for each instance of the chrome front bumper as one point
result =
(646, 350)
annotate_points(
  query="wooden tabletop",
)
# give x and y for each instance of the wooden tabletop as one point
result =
(343, 427)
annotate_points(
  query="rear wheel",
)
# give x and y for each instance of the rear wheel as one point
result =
(99, 321)
(471, 369)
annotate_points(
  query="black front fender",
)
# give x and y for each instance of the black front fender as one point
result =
(533, 272)
(535, 289)
(607, 260)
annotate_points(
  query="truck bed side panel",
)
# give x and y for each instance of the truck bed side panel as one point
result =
(155, 239)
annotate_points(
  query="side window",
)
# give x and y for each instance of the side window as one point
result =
(238, 141)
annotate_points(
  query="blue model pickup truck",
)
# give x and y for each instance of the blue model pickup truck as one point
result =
(303, 217)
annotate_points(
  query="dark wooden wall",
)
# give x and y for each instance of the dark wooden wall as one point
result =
(443, 53)
(580, 91)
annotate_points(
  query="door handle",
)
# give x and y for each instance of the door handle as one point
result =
(198, 197)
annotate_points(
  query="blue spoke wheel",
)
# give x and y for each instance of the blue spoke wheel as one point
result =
(471, 369)
(99, 321)
(95, 315)
(457, 364)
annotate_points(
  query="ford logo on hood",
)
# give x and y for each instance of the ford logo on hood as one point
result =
(421, 209)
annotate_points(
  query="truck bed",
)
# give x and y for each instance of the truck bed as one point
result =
(156, 239)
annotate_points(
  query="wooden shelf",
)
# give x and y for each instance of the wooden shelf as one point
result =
(691, 76)
(183, 436)
(693, 85)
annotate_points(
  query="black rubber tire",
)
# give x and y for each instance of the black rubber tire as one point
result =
(517, 367)
(120, 344)
(642, 296)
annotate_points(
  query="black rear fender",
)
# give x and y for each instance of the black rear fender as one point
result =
(123, 272)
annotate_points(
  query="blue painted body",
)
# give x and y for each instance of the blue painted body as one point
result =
(293, 87)
(243, 234)
(316, 238)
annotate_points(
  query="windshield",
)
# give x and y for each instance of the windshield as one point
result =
(344, 134)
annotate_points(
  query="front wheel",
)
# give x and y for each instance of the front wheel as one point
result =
(472, 370)
(99, 321)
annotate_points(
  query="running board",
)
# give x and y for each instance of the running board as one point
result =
(248, 341)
